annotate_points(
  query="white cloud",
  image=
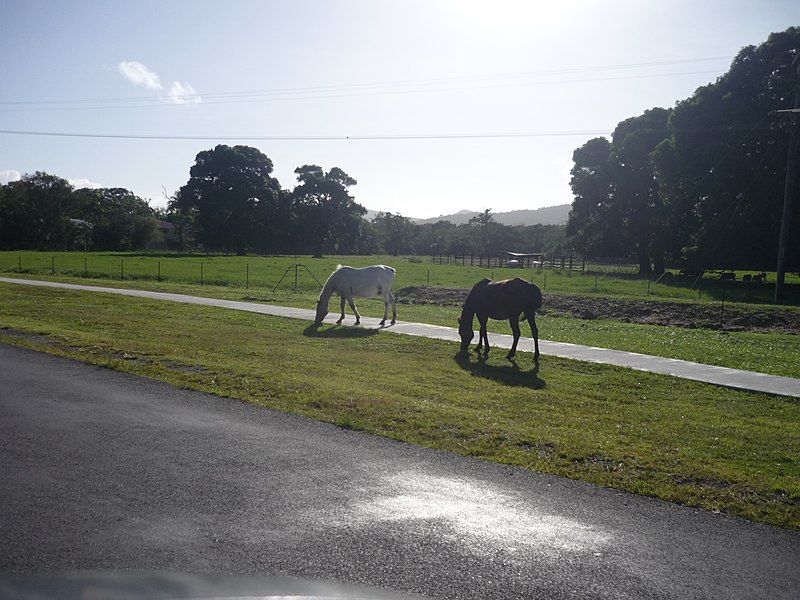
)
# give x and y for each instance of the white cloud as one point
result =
(9, 176)
(84, 183)
(140, 75)
(183, 93)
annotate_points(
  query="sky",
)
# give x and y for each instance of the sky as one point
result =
(424, 81)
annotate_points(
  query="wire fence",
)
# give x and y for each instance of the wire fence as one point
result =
(305, 274)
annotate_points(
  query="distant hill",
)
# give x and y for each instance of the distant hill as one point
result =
(550, 215)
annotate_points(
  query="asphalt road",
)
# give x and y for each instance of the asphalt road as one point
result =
(102, 470)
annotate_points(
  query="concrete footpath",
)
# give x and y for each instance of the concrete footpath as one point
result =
(733, 378)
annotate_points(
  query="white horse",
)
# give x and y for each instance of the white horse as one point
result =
(365, 282)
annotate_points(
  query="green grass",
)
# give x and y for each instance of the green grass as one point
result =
(773, 353)
(678, 440)
(266, 271)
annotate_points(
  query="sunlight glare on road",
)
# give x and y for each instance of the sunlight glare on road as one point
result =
(478, 516)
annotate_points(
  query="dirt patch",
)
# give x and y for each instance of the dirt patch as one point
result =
(650, 312)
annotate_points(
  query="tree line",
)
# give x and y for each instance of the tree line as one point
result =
(44, 212)
(700, 184)
(232, 203)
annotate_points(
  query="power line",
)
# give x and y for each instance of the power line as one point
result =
(380, 84)
(166, 103)
(437, 136)
(307, 93)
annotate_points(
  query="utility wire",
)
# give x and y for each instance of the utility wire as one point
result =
(438, 136)
(383, 84)
(166, 101)
(194, 100)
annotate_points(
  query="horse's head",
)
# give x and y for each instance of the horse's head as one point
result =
(466, 333)
(322, 310)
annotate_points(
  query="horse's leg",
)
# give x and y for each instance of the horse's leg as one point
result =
(339, 322)
(385, 309)
(479, 347)
(355, 312)
(535, 332)
(514, 322)
(484, 335)
(394, 307)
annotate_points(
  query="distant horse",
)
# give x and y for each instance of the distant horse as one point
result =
(365, 282)
(507, 299)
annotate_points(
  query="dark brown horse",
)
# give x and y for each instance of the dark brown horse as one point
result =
(507, 299)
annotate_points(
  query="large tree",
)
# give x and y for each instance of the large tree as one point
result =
(328, 218)
(395, 232)
(635, 188)
(617, 209)
(594, 220)
(119, 219)
(232, 199)
(35, 213)
(722, 171)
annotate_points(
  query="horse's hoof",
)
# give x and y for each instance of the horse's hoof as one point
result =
(383, 322)
(392, 321)
(339, 322)
(510, 355)
(358, 322)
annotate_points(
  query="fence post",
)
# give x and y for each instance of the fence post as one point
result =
(20, 263)
(595, 283)
(158, 276)
(429, 277)
(648, 286)
(295, 277)
(247, 275)
(52, 265)
(722, 307)
(85, 267)
(545, 280)
(699, 289)
(121, 269)
(201, 272)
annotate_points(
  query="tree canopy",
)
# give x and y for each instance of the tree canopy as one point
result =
(231, 199)
(701, 183)
(327, 215)
(44, 212)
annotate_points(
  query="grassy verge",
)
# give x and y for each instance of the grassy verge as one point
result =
(773, 353)
(678, 440)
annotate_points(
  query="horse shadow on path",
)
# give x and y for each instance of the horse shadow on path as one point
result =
(338, 332)
(510, 374)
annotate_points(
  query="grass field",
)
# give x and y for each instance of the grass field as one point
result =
(266, 272)
(773, 353)
(678, 440)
